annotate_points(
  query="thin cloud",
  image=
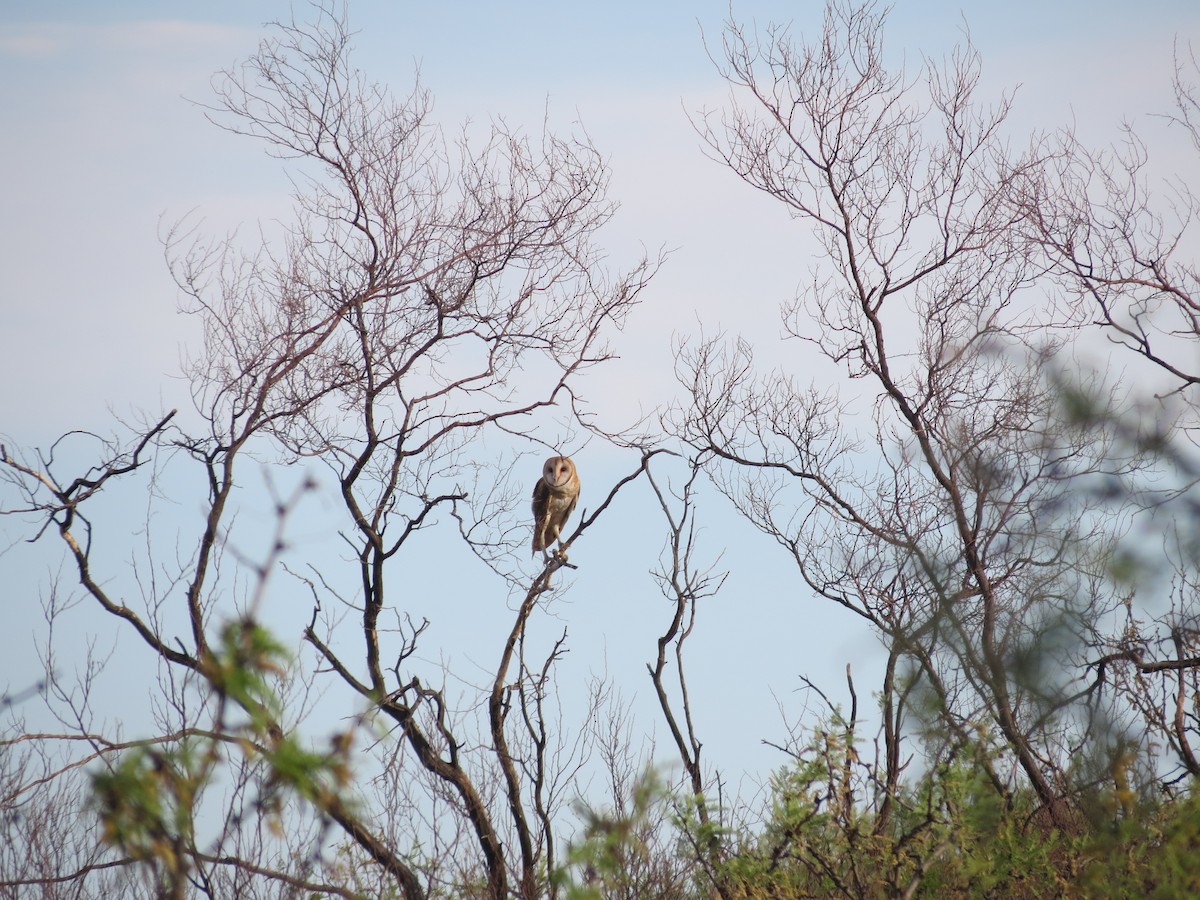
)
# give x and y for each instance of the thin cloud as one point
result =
(50, 40)
(33, 44)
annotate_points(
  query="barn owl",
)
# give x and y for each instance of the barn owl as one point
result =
(554, 497)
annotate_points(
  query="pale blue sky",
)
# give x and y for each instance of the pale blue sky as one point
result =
(99, 146)
(100, 143)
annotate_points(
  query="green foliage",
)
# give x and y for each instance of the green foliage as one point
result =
(145, 803)
(948, 834)
(603, 861)
(952, 835)
(146, 800)
(1151, 851)
(240, 669)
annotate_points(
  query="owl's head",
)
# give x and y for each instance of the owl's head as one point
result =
(558, 470)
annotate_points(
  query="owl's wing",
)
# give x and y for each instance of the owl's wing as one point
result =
(541, 512)
(570, 508)
(573, 487)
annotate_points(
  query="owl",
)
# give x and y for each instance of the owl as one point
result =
(554, 497)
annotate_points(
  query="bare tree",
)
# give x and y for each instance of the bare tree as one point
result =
(1117, 236)
(934, 509)
(429, 294)
(685, 585)
(425, 321)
